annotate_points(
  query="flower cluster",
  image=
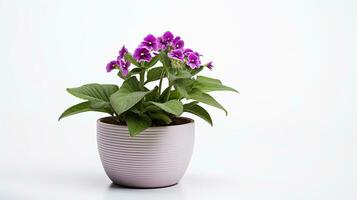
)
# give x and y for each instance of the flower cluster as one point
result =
(151, 46)
(120, 63)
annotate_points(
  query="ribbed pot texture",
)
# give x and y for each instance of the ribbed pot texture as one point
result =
(157, 157)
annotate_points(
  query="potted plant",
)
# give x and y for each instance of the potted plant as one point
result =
(145, 142)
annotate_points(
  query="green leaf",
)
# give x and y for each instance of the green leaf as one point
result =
(183, 86)
(151, 96)
(207, 84)
(134, 71)
(164, 94)
(154, 74)
(136, 123)
(153, 61)
(198, 111)
(206, 99)
(151, 108)
(161, 117)
(127, 96)
(174, 74)
(94, 92)
(129, 57)
(164, 59)
(173, 106)
(130, 85)
(174, 94)
(197, 70)
(84, 107)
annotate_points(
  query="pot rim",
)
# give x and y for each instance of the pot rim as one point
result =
(191, 121)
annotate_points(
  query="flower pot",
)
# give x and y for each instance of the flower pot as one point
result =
(157, 157)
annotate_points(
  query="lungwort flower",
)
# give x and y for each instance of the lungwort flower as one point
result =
(172, 46)
(112, 65)
(150, 42)
(142, 54)
(176, 54)
(122, 53)
(124, 67)
(187, 51)
(193, 60)
(178, 43)
(165, 40)
(209, 65)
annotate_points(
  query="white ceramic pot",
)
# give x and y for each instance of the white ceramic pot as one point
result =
(157, 157)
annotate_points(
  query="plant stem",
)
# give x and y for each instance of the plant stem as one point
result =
(160, 83)
(142, 79)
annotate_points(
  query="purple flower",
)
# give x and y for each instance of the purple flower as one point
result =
(150, 42)
(161, 43)
(178, 43)
(193, 61)
(165, 40)
(177, 38)
(168, 36)
(187, 52)
(209, 65)
(176, 54)
(124, 67)
(111, 65)
(142, 54)
(122, 53)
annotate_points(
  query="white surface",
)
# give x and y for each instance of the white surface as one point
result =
(290, 134)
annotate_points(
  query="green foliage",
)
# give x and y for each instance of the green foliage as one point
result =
(136, 123)
(98, 99)
(93, 92)
(153, 61)
(127, 96)
(183, 87)
(84, 107)
(205, 98)
(198, 110)
(140, 107)
(175, 74)
(160, 116)
(154, 74)
(173, 106)
(129, 57)
(206, 84)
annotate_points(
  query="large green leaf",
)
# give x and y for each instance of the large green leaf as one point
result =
(207, 84)
(154, 74)
(136, 123)
(173, 106)
(197, 110)
(183, 86)
(161, 116)
(127, 96)
(152, 95)
(86, 106)
(206, 99)
(174, 74)
(130, 85)
(174, 94)
(94, 91)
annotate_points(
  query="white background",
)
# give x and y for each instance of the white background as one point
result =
(290, 134)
